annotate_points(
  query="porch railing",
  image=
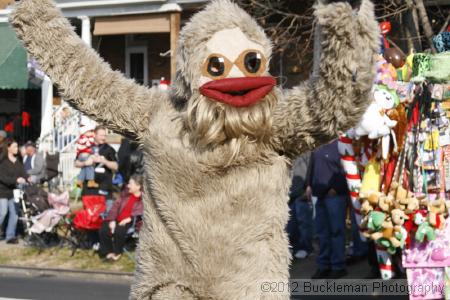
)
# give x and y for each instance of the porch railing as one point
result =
(62, 138)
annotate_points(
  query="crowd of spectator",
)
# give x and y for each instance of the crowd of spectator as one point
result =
(24, 165)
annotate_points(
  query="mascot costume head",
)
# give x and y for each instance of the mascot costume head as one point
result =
(218, 145)
(223, 77)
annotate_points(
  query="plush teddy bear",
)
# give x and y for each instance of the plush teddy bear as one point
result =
(375, 123)
(397, 236)
(398, 218)
(399, 115)
(369, 201)
(365, 209)
(386, 203)
(436, 213)
(373, 197)
(413, 205)
(401, 195)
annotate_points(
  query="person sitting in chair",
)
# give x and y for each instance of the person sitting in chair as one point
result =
(113, 232)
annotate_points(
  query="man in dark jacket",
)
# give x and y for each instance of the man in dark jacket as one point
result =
(329, 185)
(104, 161)
(131, 159)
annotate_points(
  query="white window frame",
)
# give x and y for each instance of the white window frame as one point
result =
(133, 50)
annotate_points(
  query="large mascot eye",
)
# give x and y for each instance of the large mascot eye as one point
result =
(252, 62)
(216, 66)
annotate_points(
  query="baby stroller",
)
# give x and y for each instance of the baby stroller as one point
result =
(44, 229)
(33, 201)
(87, 221)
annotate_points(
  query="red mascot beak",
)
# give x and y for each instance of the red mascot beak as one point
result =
(238, 92)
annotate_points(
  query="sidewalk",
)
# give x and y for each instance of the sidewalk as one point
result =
(85, 260)
(59, 258)
(304, 269)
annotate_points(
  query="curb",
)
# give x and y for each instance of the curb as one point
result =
(123, 277)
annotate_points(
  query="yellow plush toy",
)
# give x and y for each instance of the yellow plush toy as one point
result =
(371, 178)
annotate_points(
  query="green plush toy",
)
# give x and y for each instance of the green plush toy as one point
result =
(389, 245)
(375, 221)
(424, 229)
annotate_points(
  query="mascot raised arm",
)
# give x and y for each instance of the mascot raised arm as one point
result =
(218, 146)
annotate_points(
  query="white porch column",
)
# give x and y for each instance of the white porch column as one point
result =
(86, 34)
(46, 110)
(86, 30)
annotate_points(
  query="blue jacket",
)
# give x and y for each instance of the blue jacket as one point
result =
(327, 172)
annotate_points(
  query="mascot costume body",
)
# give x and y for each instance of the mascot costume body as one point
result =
(218, 146)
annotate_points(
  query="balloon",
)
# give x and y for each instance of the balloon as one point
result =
(395, 57)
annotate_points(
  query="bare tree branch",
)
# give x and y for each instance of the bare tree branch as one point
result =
(425, 23)
(290, 24)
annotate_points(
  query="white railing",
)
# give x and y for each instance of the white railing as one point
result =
(67, 167)
(62, 138)
(65, 133)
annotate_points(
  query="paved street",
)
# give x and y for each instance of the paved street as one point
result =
(53, 288)
(304, 269)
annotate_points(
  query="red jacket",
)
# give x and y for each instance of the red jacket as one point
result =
(119, 204)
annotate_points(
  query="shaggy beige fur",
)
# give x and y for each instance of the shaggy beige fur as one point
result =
(214, 227)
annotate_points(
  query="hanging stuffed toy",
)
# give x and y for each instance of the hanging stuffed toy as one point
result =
(375, 123)
(218, 146)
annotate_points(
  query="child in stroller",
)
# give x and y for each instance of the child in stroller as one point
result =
(41, 214)
(121, 220)
(47, 220)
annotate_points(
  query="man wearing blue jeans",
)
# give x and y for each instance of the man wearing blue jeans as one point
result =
(328, 183)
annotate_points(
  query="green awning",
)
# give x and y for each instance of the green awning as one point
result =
(13, 60)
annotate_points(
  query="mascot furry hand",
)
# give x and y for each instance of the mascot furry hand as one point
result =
(218, 145)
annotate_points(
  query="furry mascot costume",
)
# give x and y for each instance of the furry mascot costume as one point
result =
(218, 146)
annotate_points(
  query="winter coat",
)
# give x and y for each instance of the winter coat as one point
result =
(119, 204)
(9, 172)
